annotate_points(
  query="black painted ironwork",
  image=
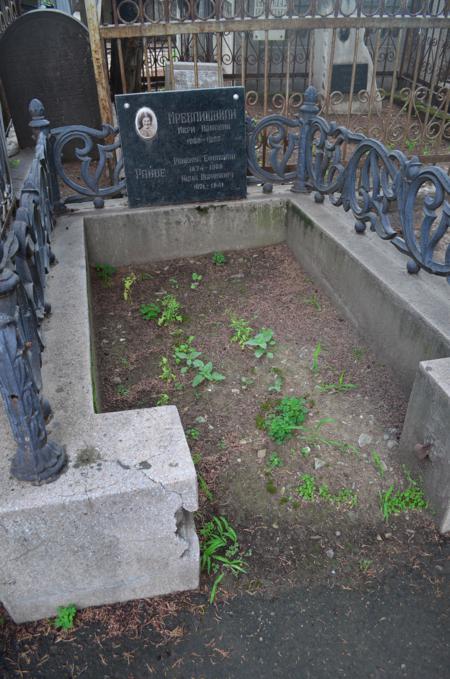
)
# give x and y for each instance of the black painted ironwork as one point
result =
(25, 257)
(362, 176)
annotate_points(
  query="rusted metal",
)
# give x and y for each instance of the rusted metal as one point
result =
(99, 62)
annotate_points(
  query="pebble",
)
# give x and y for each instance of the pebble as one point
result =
(261, 454)
(364, 440)
(318, 464)
(235, 391)
(116, 380)
(330, 553)
(392, 444)
(338, 533)
(200, 419)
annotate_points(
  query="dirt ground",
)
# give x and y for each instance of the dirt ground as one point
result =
(304, 557)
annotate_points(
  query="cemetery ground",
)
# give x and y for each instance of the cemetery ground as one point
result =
(293, 425)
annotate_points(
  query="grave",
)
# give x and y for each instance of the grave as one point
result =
(341, 65)
(183, 147)
(46, 54)
(184, 75)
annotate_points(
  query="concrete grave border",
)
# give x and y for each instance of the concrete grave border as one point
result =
(119, 523)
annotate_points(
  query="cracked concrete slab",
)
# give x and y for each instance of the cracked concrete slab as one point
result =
(118, 524)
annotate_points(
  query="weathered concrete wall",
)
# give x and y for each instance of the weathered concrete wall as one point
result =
(118, 524)
(404, 318)
(138, 236)
(428, 422)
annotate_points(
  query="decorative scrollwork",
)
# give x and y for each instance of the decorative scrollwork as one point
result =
(367, 179)
(25, 257)
(96, 161)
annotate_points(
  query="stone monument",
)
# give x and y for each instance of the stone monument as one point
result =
(183, 147)
(341, 65)
(45, 54)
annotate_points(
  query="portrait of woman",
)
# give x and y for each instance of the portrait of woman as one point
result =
(146, 123)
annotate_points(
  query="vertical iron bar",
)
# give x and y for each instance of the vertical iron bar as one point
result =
(373, 84)
(195, 52)
(171, 73)
(352, 83)
(396, 63)
(330, 69)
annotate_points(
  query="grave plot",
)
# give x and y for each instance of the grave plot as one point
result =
(292, 422)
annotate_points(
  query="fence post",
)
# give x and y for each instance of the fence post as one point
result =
(37, 460)
(39, 123)
(307, 111)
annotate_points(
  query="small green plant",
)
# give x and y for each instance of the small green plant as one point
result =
(277, 385)
(186, 353)
(262, 342)
(220, 551)
(128, 283)
(314, 302)
(163, 400)
(105, 272)
(167, 375)
(410, 145)
(287, 416)
(307, 488)
(274, 461)
(271, 487)
(65, 616)
(396, 501)
(174, 283)
(340, 386)
(205, 371)
(219, 258)
(205, 488)
(315, 361)
(312, 436)
(14, 162)
(150, 311)
(193, 433)
(196, 279)
(122, 390)
(364, 565)
(324, 492)
(346, 496)
(242, 331)
(170, 311)
(378, 463)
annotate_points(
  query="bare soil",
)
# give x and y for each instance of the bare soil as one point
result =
(331, 589)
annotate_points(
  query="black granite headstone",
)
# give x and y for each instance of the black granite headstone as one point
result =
(184, 146)
(46, 55)
(341, 78)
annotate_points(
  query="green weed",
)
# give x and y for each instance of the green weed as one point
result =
(378, 463)
(274, 461)
(307, 488)
(220, 551)
(196, 279)
(308, 491)
(205, 488)
(287, 416)
(174, 283)
(277, 385)
(340, 386)
(242, 331)
(314, 302)
(262, 342)
(186, 353)
(167, 375)
(219, 258)
(316, 353)
(150, 311)
(271, 487)
(205, 371)
(128, 283)
(170, 311)
(105, 272)
(65, 616)
(396, 501)
(122, 390)
(193, 433)
(364, 565)
(358, 353)
(312, 436)
(163, 400)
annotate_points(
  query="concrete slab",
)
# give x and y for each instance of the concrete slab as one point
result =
(427, 423)
(118, 524)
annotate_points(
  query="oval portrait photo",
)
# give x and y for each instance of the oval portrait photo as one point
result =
(146, 123)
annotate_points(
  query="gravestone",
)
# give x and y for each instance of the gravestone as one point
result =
(45, 54)
(184, 75)
(348, 44)
(183, 147)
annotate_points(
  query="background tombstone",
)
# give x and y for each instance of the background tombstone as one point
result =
(46, 54)
(184, 75)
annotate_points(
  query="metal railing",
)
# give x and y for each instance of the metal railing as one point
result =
(378, 185)
(381, 67)
(25, 258)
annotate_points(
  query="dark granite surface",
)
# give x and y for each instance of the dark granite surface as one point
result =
(184, 146)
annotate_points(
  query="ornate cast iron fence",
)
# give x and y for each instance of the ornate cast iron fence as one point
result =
(277, 48)
(6, 189)
(25, 258)
(9, 11)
